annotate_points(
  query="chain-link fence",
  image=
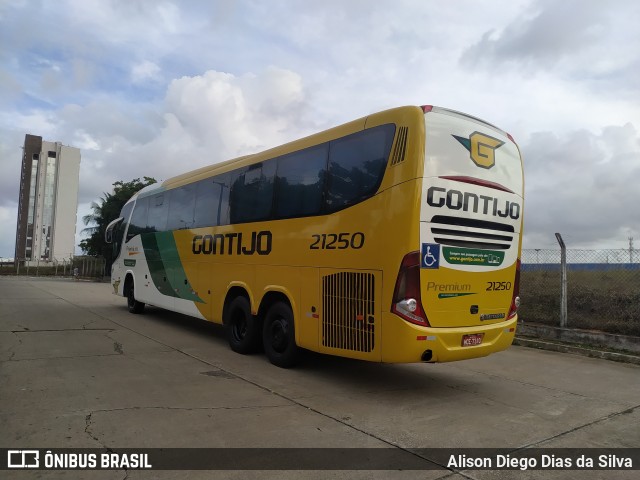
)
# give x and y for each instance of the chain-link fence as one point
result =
(603, 289)
(82, 267)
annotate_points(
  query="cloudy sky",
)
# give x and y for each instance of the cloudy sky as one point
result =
(160, 87)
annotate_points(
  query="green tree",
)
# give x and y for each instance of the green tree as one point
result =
(104, 211)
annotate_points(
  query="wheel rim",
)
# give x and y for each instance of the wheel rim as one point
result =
(279, 335)
(239, 326)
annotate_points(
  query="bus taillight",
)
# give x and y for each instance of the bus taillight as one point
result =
(407, 302)
(515, 301)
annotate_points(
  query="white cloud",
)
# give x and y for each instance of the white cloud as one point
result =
(231, 115)
(588, 42)
(144, 72)
(553, 31)
(158, 88)
(85, 141)
(582, 185)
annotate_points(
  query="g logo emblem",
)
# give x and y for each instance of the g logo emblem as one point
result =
(482, 148)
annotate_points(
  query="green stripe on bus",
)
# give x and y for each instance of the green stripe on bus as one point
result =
(165, 267)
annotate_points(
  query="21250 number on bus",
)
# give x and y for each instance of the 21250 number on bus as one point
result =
(337, 241)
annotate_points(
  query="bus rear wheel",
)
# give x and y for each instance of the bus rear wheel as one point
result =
(243, 329)
(134, 305)
(279, 336)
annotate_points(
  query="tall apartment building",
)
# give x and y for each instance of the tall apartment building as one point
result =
(48, 202)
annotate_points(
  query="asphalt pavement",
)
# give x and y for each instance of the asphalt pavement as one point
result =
(77, 370)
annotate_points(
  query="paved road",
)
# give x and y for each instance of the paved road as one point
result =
(77, 370)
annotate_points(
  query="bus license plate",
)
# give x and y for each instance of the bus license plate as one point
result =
(472, 339)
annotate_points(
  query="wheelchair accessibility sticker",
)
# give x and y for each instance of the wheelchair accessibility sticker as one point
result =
(430, 255)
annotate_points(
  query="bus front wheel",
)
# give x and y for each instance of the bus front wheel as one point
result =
(134, 305)
(243, 329)
(279, 336)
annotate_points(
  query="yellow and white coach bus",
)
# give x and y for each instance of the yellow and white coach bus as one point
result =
(392, 238)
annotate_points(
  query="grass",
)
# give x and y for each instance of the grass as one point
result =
(607, 301)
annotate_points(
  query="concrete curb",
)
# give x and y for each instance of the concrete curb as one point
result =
(594, 352)
(575, 336)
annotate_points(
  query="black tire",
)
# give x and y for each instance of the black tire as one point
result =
(243, 329)
(279, 336)
(134, 305)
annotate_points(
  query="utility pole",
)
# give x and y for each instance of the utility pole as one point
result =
(630, 249)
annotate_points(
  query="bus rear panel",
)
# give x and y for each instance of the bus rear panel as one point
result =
(459, 288)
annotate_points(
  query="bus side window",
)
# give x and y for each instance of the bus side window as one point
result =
(300, 182)
(212, 201)
(182, 202)
(252, 193)
(158, 211)
(356, 166)
(138, 223)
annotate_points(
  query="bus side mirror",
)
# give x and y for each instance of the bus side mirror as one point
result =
(108, 233)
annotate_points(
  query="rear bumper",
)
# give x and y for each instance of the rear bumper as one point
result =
(404, 342)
